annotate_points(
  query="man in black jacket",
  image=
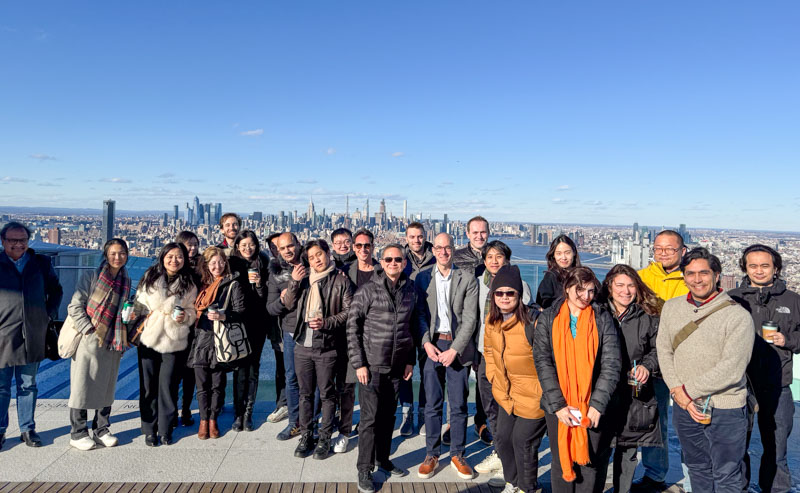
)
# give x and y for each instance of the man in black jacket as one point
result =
(381, 334)
(343, 254)
(470, 256)
(764, 294)
(281, 270)
(29, 297)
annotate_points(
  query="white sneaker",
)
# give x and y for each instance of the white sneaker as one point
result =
(510, 488)
(278, 414)
(340, 444)
(490, 464)
(85, 443)
(107, 440)
(498, 481)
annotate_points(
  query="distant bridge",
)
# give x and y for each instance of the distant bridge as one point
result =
(589, 263)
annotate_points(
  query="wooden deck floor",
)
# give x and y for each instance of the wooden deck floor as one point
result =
(389, 487)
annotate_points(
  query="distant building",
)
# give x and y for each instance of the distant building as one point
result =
(257, 217)
(54, 236)
(175, 212)
(108, 221)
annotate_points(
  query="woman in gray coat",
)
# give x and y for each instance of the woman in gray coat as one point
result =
(96, 310)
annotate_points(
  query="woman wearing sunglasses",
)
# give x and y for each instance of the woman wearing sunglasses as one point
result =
(510, 368)
(577, 355)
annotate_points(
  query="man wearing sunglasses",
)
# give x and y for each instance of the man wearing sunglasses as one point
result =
(381, 327)
(450, 320)
(364, 267)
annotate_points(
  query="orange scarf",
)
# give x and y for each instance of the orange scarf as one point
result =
(206, 297)
(574, 358)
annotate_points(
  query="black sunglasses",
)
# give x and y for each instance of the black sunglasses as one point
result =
(359, 246)
(509, 294)
(389, 260)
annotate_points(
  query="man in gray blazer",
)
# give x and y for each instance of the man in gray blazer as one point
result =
(448, 339)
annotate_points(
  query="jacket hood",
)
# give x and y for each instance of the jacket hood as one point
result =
(657, 269)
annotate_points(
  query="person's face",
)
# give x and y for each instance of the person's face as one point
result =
(494, 260)
(116, 256)
(478, 234)
(700, 279)
(443, 250)
(342, 244)
(173, 261)
(216, 266)
(667, 251)
(581, 295)
(15, 243)
(273, 247)
(564, 255)
(507, 299)
(623, 290)
(363, 248)
(247, 248)
(287, 248)
(318, 259)
(230, 228)
(192, 246)
(760, 268)
(393, 262)
(415, 239)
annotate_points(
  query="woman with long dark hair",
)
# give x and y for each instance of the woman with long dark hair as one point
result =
(562, 256)
(186, 378)
(96, 310)
(252, 268)
(165, 298)
(576, 352)
(508, 340)
(635, 309)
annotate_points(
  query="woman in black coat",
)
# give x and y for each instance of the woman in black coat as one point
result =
(635, 309)
(562, 256)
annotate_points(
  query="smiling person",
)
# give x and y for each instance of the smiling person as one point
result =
(635, 309)
(469, 257)
(704, 342)
(165, 296)
(96, 309)
(764, 294)
(219, 286)
(362, 269)
(186, 379)
(562, 256)
(29, 298)
(230, 224)
(342, 241)
(577, 356)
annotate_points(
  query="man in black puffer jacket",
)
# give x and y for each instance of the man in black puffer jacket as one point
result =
(470, 256)
(382, 332)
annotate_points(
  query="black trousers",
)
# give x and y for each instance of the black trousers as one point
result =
(245, 380)
(517, 444)
(280, 376)
(345, 393)
(592, 476)
(187, 382)
(158, 389)
(316, 370)
(210, 391)
(78, 417)
(378, 403)
(484, 400)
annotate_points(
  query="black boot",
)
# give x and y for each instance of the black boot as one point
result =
(306, 445)
(248, 421)
(237, 424)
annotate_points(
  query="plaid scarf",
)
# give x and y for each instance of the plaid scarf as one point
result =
(103, 307)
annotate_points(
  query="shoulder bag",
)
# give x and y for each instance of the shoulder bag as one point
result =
(68, 339)
(230, 338)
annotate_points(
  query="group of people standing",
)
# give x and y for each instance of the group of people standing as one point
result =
(592, 365)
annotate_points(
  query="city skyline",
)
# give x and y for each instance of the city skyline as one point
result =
(561, 113)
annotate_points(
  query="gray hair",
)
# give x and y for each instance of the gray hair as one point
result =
(392, 245)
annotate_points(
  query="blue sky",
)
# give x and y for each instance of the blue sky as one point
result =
(590, 112)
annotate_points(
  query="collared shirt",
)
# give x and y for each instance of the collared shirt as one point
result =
(20, 262)
(443, 300)
(698, 304)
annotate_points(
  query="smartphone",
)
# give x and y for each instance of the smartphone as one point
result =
(576, 416)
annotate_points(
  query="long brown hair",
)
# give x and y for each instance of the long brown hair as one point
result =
(645, 297)
(578, 276)
(208, 254)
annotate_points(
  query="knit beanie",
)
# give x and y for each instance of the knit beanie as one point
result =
(508, 277)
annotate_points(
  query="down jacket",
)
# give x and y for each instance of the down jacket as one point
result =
(260, 324)
(280, 273)
(161, 333)
(415, 265)
(203, 353)
(383, 324)
(607, 365)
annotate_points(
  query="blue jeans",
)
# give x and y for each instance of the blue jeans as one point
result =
(25, 376)
(713, 453)
(656, 459)
(456, 377)
(292, 387)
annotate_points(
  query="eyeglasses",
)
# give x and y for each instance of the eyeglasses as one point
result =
(505, 294)
(342, 242)
(438, 249)
(359, 246)
(16, 241)
(667, 250)
(389, 260)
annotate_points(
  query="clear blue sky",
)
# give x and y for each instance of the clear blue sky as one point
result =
(592, 112)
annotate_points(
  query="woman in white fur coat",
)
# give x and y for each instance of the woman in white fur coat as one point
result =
(164, 338)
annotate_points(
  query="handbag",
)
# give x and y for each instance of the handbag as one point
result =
(51, 340)
(68, 339)
(230, 338)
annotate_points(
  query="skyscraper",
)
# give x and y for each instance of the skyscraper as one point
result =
(217, 212)
(108, 221)
(198, 212)
(635, 231)
(175, 212)
(405, 210)
(366, 210)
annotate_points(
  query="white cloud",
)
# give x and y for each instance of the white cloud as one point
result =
(166, 175)
(43, 157)
(307, 182)
(11, 179)
(330, 151)
(557, 200)
(563, 188)
(398, 154)
(253, 133)
(116, 180)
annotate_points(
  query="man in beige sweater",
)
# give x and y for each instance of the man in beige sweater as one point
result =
(706, 371)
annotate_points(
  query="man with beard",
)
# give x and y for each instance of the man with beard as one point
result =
(229, 224)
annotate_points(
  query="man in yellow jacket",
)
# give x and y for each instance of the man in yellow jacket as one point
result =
(665, 278)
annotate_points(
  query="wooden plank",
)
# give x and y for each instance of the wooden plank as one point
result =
(341, 487)
(172, 487)
(222, 488)
(240, 488)
(183, 487)
(149, 487)
(102, 487)
(31, 487)
(160, 487)
(137, 487)
(124, 488)
(352, 488)
(204, 488)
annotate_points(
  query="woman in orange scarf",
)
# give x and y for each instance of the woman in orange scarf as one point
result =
(577, 357)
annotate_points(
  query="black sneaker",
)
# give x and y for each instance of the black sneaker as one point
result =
(248, 421)
(186, 418)
(365, 484)
(323, 449)
(237, 424)
(151, 440)
(305, 446)
(390, 469)
(290, 431)
(648, 485)
(407, 427)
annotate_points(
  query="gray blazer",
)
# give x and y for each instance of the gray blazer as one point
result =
(463, 309)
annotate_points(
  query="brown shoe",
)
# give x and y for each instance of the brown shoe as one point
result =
(462, 468)
(213, 431)
(202, 433)
(428, 467)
